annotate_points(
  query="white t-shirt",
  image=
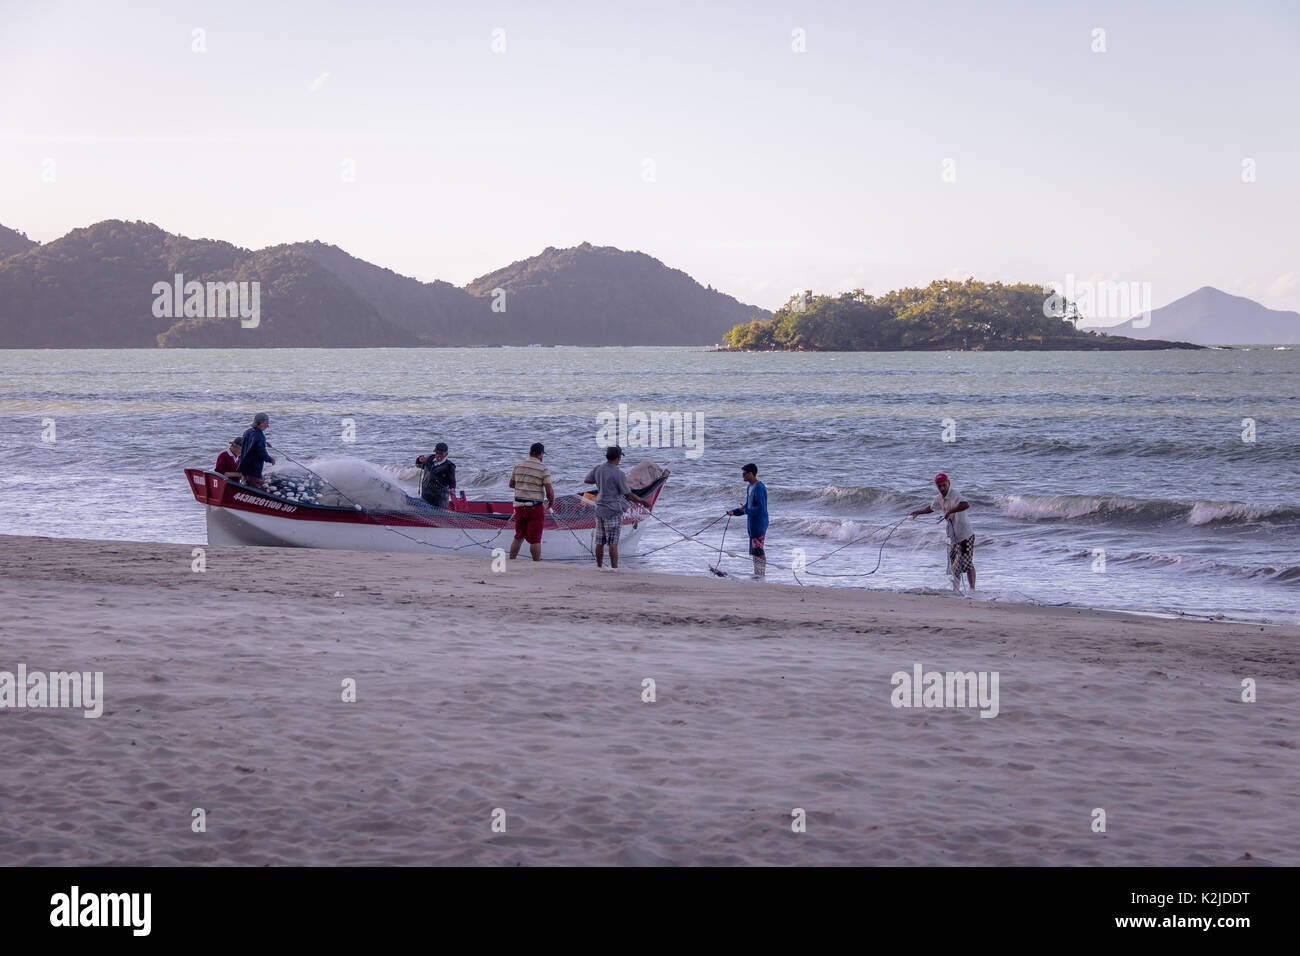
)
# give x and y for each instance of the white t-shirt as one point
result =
(959, 528)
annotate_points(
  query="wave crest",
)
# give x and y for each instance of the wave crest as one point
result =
(1138, 510)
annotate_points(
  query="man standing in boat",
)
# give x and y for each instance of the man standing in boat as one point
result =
(530, 480)
(253, 453)
(438, 480)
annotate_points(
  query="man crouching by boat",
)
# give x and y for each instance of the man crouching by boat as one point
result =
(438, 478)
(253, 453)
(530, 479)
(961, 539)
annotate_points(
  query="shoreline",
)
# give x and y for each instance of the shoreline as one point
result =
(984, 596)
(1138, 345)
(524, 691)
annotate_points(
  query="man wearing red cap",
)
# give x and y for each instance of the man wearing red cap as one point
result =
(961, 539)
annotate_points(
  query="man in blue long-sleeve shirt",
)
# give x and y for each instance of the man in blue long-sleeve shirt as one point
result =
(253, 454)
(755, 510)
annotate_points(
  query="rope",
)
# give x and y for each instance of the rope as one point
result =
(880, 555)
(717, 568)
(682, 537)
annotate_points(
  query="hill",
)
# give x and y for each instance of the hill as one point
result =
(599, 295)
(95, 288)
(1210, 316)
(13, 242)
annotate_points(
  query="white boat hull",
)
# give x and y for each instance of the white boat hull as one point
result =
(228, 527)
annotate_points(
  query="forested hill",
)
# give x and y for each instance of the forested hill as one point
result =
(943, 315)
(12, 241)
(94, 288)
(599, 295)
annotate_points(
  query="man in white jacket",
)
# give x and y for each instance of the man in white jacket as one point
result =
(961, 539)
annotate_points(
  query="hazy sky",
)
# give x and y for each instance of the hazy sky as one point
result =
(691, 131)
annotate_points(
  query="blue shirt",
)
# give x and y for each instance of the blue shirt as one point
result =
(756, 508)
(253, 453)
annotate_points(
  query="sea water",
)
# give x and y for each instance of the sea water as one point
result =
(1162, 481)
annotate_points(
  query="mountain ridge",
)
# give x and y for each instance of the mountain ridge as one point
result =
(90, 289)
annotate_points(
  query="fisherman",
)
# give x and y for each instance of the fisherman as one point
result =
(961, 539)
(611, 488)
(530, 478)
(252, 452)
(228, 461)
(438, 476)
(755, 508)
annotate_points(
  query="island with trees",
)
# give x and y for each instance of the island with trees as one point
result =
(945, 315)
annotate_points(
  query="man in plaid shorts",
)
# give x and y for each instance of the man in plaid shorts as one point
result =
(961, 539)
(611, 488)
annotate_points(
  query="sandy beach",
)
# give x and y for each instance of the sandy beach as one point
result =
(524, 691)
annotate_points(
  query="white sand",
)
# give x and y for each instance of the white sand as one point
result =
(479, 690)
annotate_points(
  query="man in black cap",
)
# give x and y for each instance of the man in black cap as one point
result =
(439, 478)
(253, 453)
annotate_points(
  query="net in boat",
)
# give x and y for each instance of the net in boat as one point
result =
(359, 485)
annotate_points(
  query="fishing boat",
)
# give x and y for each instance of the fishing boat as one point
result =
(268, 516)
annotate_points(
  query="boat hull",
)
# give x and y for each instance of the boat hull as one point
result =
(239, 515)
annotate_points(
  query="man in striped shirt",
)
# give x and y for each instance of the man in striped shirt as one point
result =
(530, 480)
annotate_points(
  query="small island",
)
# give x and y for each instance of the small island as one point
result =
(945, 315)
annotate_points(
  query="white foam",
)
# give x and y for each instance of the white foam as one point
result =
(1203, 512)
(1032, 507)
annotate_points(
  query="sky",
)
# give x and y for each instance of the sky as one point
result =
(760, 147)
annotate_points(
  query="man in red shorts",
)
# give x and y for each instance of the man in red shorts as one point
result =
(530, 480)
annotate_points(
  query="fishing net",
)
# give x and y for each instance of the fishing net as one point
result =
(360, 486)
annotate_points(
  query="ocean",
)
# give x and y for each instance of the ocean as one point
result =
(1156, 481)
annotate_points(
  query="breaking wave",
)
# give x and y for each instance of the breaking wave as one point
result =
(1139, 510)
